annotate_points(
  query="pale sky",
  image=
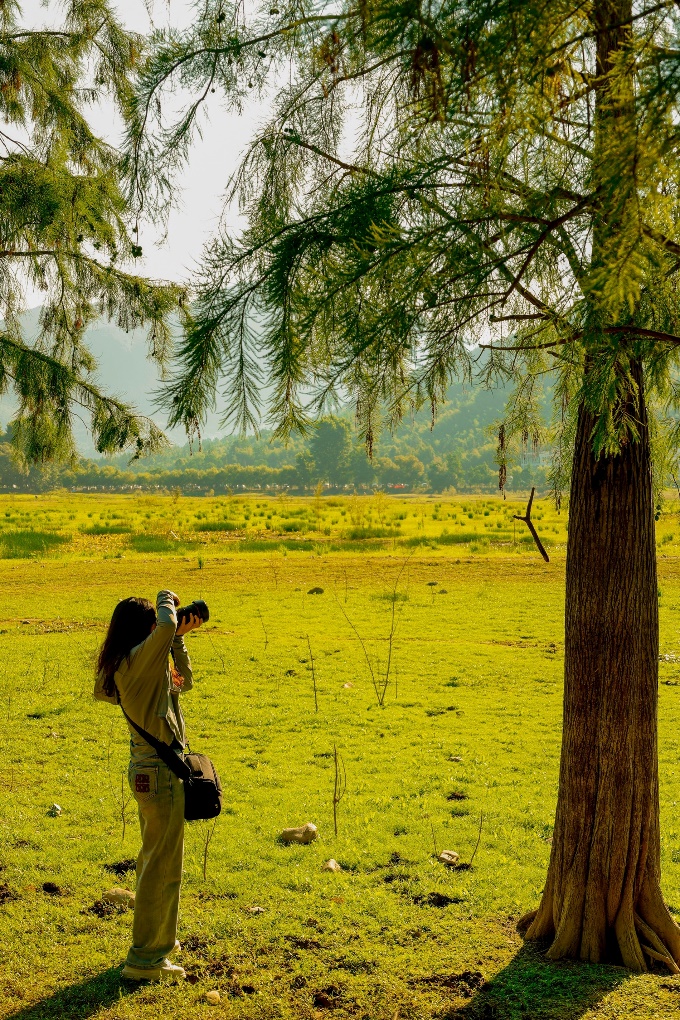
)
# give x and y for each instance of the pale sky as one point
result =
(214, 156)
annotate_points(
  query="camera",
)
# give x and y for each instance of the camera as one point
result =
(196, 608)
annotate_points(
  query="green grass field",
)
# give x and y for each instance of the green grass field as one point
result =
(469, 728)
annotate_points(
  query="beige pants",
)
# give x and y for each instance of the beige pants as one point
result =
(160, 799)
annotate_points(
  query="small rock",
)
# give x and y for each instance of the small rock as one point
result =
(315, 591)
(213, 997)
(303, 834)
(331, 865)
(449, 857)
(347, 686)
(254, 910)
(55, 736)
(455, 757)
(54, 811)
(122, 898)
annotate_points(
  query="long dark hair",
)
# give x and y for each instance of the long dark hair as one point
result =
(130, 624)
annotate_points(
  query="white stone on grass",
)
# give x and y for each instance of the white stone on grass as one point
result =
(122, 898)
(449, 857)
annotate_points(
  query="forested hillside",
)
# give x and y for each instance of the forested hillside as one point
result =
(458, 453)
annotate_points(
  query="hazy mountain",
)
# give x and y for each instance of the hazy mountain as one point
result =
(124, 370)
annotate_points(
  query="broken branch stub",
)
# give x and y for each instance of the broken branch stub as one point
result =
(530, 525)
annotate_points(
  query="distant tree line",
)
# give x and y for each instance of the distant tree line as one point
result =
(330, 456)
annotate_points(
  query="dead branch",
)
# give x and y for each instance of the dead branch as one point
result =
(479, 837)
(530, 525)
(266, 636)
(434, 840)
(311, 659)
(206, 843)
(364, 649)
(339, 787)
(217, 652)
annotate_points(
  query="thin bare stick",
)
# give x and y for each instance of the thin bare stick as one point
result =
(266, 636)
(206, 843)
(363, 646)
(339, 787)
(530, 525)
(479, 836)
(434, 840)
(217, 652)
(311, 659)
(393, 627)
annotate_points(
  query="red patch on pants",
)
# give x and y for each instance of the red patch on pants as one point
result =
(142, 782)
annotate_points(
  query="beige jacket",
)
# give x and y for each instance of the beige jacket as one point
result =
(145, 685)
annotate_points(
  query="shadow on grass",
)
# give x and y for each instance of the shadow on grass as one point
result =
(534, 988)
(78, 1001)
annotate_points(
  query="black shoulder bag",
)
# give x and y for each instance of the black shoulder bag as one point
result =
(202, 787)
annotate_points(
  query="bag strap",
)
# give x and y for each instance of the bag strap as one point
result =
(167, 756)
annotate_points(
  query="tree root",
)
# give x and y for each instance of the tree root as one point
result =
(659, 952)
(525, 922)
(636, 939)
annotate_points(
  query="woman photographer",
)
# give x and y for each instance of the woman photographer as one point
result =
(144, 666)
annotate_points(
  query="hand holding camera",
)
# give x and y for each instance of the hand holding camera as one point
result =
(191, 617)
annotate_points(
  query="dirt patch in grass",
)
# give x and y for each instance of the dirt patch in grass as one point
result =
(436, 899)
(121, 868)
(330, 997)
(7, 894)
(464, 984)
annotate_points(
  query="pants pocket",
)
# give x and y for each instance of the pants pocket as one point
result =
(143, 782)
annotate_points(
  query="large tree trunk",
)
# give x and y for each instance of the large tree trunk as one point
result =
(602, 898)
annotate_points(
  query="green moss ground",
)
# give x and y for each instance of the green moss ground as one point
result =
(476, 676)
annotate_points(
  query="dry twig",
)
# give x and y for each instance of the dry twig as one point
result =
(339, 787)
(311, 659)
(266, 636)
(206, 843)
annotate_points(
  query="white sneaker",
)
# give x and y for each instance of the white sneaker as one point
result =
(165, 971)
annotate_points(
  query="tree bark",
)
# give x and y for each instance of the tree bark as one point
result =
(602, 898)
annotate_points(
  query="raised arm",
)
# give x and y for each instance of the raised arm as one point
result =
(152, 654)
